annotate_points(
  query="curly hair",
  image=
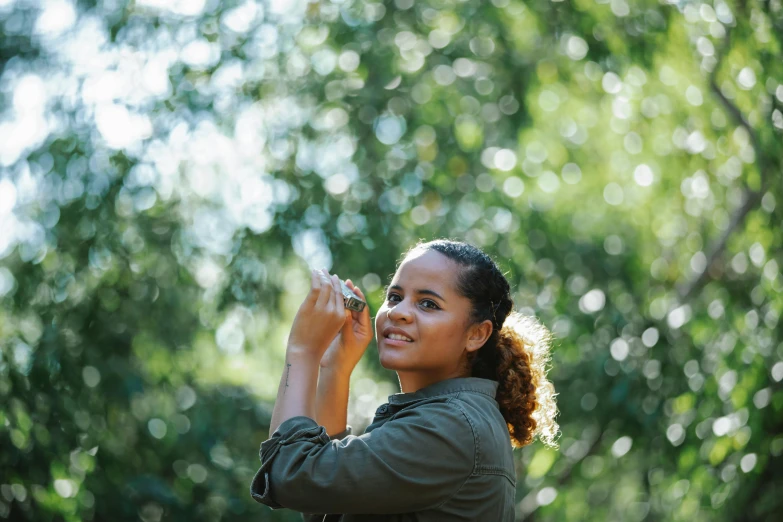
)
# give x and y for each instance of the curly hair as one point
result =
(517, 353)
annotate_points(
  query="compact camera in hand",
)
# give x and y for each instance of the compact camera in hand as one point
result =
(352, 301)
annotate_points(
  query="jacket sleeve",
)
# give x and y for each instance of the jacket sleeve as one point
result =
(417, 460)
(319, 517)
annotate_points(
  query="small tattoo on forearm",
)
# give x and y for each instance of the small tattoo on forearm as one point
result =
(287, 372)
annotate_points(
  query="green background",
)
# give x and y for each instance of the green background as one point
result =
(170, 170)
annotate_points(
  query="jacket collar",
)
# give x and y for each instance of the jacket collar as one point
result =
(453, 385)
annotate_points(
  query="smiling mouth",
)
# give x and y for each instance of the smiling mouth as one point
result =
(397, 337)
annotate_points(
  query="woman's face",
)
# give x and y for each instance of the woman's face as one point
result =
(423, 305)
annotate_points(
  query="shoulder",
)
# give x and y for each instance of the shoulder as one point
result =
(491, 431)
(441, 407)
(442, 417)
(479, 408)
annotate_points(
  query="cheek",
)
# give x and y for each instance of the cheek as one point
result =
(379, 316)
(446, 330)
(435, 328)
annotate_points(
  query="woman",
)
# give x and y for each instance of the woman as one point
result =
(473, 380)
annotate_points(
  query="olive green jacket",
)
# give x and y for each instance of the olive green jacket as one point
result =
(442, 453)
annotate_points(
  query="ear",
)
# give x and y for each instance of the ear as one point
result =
(478, 334)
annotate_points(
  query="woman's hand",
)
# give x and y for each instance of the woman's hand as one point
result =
(320, 317)
(345, 351)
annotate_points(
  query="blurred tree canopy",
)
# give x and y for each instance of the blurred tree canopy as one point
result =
(170, 169)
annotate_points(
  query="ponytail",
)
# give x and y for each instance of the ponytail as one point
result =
(525, 397)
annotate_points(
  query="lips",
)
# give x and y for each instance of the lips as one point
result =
(400, 334)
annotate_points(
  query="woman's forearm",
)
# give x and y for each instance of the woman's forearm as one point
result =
(331, 401)
(296, 393)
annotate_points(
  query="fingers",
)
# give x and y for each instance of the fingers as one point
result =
(355, 288)
(359, 292)
(331, 295)
(339, 300)
(315, 287)
(325, 295)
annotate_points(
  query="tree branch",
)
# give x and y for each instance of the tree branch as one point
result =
(750, 200)
(740, 119)
(750, 197)
(566, 475)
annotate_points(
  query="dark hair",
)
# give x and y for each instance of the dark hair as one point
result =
(516, 353)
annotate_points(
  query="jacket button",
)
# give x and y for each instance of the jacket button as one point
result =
(383, 409)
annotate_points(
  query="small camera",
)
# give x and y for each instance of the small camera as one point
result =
(352, 301)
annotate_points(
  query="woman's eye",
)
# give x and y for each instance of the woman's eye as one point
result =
(426, 303)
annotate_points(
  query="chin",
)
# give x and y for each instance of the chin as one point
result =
(391, 360)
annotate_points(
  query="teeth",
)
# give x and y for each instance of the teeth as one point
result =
(398, 337)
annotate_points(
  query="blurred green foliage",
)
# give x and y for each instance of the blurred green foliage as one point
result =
(168, 171)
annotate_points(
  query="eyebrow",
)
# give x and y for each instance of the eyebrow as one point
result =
(420, 291)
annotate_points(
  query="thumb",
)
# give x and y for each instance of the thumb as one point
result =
(350, 316)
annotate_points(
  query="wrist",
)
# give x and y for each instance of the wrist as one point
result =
(300, 353)
(336, 372)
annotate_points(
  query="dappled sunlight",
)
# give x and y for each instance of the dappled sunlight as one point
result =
(169, 170)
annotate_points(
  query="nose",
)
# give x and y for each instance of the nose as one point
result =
(400, 312)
